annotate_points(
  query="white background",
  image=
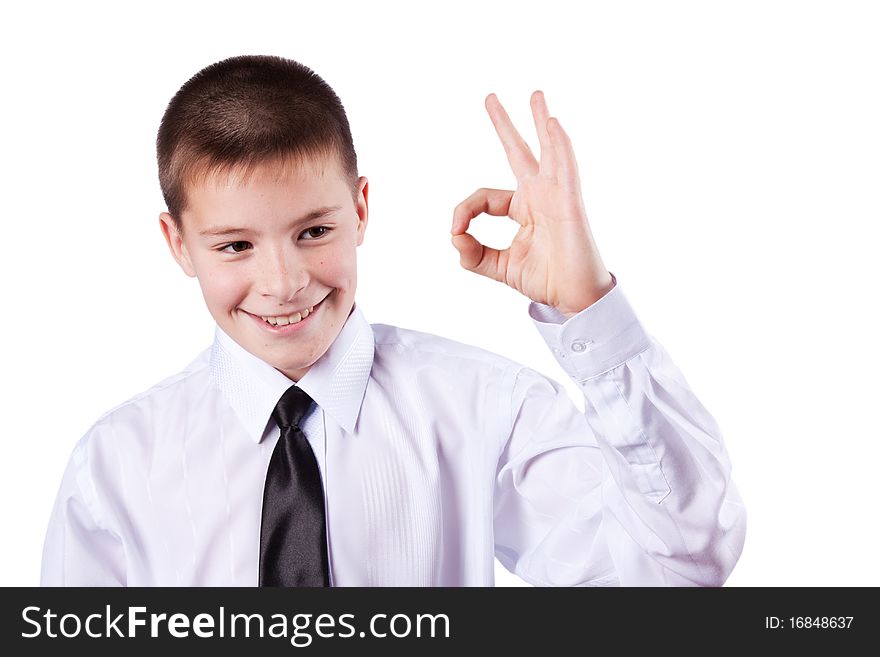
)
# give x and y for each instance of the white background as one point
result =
(730, 157)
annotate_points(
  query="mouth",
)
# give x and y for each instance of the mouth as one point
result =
(286, 324)
(284, 320)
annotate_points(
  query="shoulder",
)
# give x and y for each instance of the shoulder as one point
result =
(123, 439)
(407, 353)
(164, 398)
(406, 344)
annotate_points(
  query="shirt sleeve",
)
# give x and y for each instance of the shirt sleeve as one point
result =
(634, 491)
(79, 549)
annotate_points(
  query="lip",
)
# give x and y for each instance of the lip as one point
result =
(288, 329)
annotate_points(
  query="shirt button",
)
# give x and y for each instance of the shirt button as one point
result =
(578, 346)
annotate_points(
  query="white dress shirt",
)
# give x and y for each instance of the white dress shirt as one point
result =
(435, 457)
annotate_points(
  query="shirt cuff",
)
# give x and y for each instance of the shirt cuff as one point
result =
(595, 340)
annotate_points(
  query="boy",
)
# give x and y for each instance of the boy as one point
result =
(308, 447)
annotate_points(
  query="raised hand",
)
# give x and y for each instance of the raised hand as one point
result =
(553, 259)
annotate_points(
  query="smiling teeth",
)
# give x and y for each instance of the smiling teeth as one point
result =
(295, 318)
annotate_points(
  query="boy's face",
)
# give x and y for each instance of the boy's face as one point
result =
(260, 253)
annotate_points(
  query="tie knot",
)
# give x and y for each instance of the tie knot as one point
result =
(291, 408)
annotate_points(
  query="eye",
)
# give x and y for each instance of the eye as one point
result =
(237, 247)
(315, 232)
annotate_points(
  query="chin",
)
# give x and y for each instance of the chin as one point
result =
(295, 366)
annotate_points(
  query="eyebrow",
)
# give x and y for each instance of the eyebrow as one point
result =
(220, 231)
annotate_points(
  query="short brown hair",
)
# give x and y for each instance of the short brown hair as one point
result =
(245, 111)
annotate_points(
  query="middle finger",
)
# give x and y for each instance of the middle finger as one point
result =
(520, 156)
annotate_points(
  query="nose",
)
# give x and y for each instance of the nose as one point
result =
(283, 275)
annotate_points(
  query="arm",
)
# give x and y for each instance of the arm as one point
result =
(79, 549)
(635, 491)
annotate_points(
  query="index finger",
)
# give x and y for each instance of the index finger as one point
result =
(489, 201)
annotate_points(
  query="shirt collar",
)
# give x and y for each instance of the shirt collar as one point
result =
(337, 381)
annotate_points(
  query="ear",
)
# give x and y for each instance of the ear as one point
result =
(362, 209)
(175, 243)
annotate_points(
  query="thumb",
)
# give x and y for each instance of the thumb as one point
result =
(480, 259)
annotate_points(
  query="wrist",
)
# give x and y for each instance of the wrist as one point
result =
(587, 295)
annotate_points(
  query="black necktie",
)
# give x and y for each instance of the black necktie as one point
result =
(293, 534)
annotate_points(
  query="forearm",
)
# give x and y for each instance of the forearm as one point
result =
(671, 511)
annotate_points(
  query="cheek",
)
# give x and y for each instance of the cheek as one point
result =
(223, 286)
(336, 268)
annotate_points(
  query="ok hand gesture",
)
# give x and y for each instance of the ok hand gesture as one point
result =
(553, 258)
